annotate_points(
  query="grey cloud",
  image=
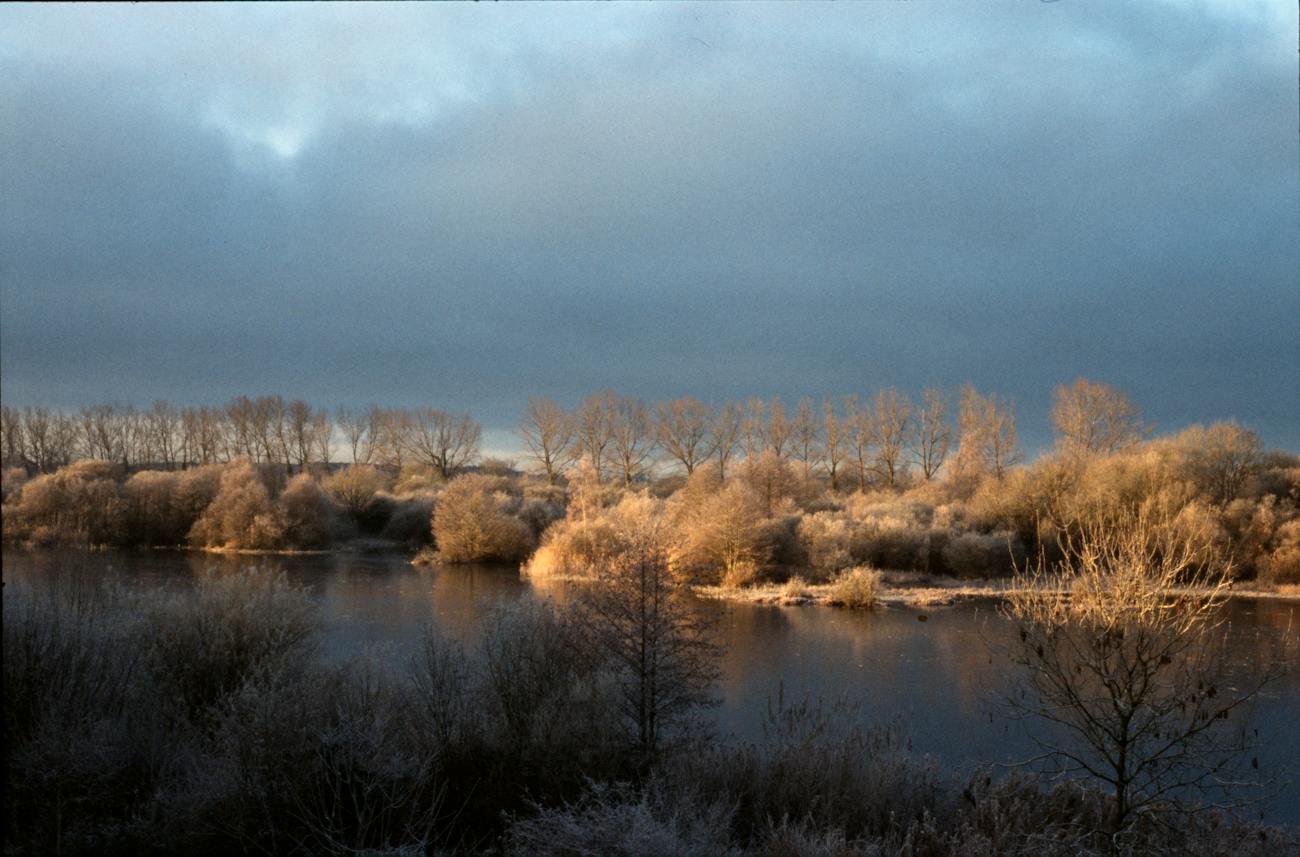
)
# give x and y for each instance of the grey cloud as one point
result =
(715, 200)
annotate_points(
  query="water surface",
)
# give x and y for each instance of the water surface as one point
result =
(936, 679)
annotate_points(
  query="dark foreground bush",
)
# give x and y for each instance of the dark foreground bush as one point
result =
(207, 723)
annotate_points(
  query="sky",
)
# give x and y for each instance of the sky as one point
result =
(464, 205)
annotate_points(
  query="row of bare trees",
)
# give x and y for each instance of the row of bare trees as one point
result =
(867, 441)
(861, 441)
(264, 429)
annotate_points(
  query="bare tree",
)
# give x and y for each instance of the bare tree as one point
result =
(724, 434)
(637, 618)
(547, 431)
(595, 429)
(777, 434)
(861, 432)
(301, 433)
(1122, 657)
(164, 428)
(388, 429)
(805, 435)
(633, 435)
(446, 442)
(754, 428)
(1093, 418)
(987, 428)
(682, 427)
(355, 426)
(1220, 458)
(835, 443)
(933, 434)
(13, 446)
(893, 427)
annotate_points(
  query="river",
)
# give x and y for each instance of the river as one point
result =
(935, 679)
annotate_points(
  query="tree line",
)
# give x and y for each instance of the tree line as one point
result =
(264, 429)
(853, 441)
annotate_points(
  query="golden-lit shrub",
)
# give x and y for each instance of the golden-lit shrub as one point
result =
(582, 547)
(355, 488)
(79, 504)
(241, 516)
(856, 588)
(826, 538)
(12, 480)
(1281, 565)
(724, 538)
(417, 479)
(474, 521)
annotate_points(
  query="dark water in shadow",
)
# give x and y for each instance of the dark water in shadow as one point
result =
(935, 679)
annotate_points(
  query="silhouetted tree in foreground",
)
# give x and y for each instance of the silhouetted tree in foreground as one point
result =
(636, 616)
(1123, 656)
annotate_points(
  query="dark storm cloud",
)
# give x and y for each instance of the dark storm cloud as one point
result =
(468, 205)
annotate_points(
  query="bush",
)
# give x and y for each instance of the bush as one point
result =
(242, 515)
(724, 537)
(312, 520)
(203, 646)
(856, 588)
(981, 555)
(476, 522)
(826, 538)
(356, 489)
(79, 504)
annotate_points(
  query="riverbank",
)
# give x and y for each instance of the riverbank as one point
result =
(915, 590)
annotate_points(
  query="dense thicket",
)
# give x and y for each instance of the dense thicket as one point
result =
(205, 722)
(749, 492)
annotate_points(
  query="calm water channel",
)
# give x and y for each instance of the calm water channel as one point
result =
(934, 678)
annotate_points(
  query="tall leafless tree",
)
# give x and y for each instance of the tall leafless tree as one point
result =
(595, 430)
(893, 428)
(632, 433)
(446, 442)
(724, 434)
(682, 426)
(805, 437)
(933, 434)
(547, 431)
(1093, 418)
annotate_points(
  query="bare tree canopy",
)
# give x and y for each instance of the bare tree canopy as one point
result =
(548, 433)
(446, 442)
(1122, 655)
(1095, 418)
(682, 427)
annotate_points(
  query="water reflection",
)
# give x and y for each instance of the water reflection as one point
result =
(936, 678)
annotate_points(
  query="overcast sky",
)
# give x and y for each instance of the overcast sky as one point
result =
(463, 205)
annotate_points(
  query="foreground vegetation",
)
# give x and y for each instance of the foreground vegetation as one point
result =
(207, 722)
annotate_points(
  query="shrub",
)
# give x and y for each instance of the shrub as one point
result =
(581, 547)
(203, 646)
(723, 538)
(856, 588)
(241, 516)
(474, 522)
(981, 555)
(406, 520)
(1282, 564)
(80, 503)
(12, 480)
(311, 518)
(826, 539)
(355, 489)
(622, 822)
